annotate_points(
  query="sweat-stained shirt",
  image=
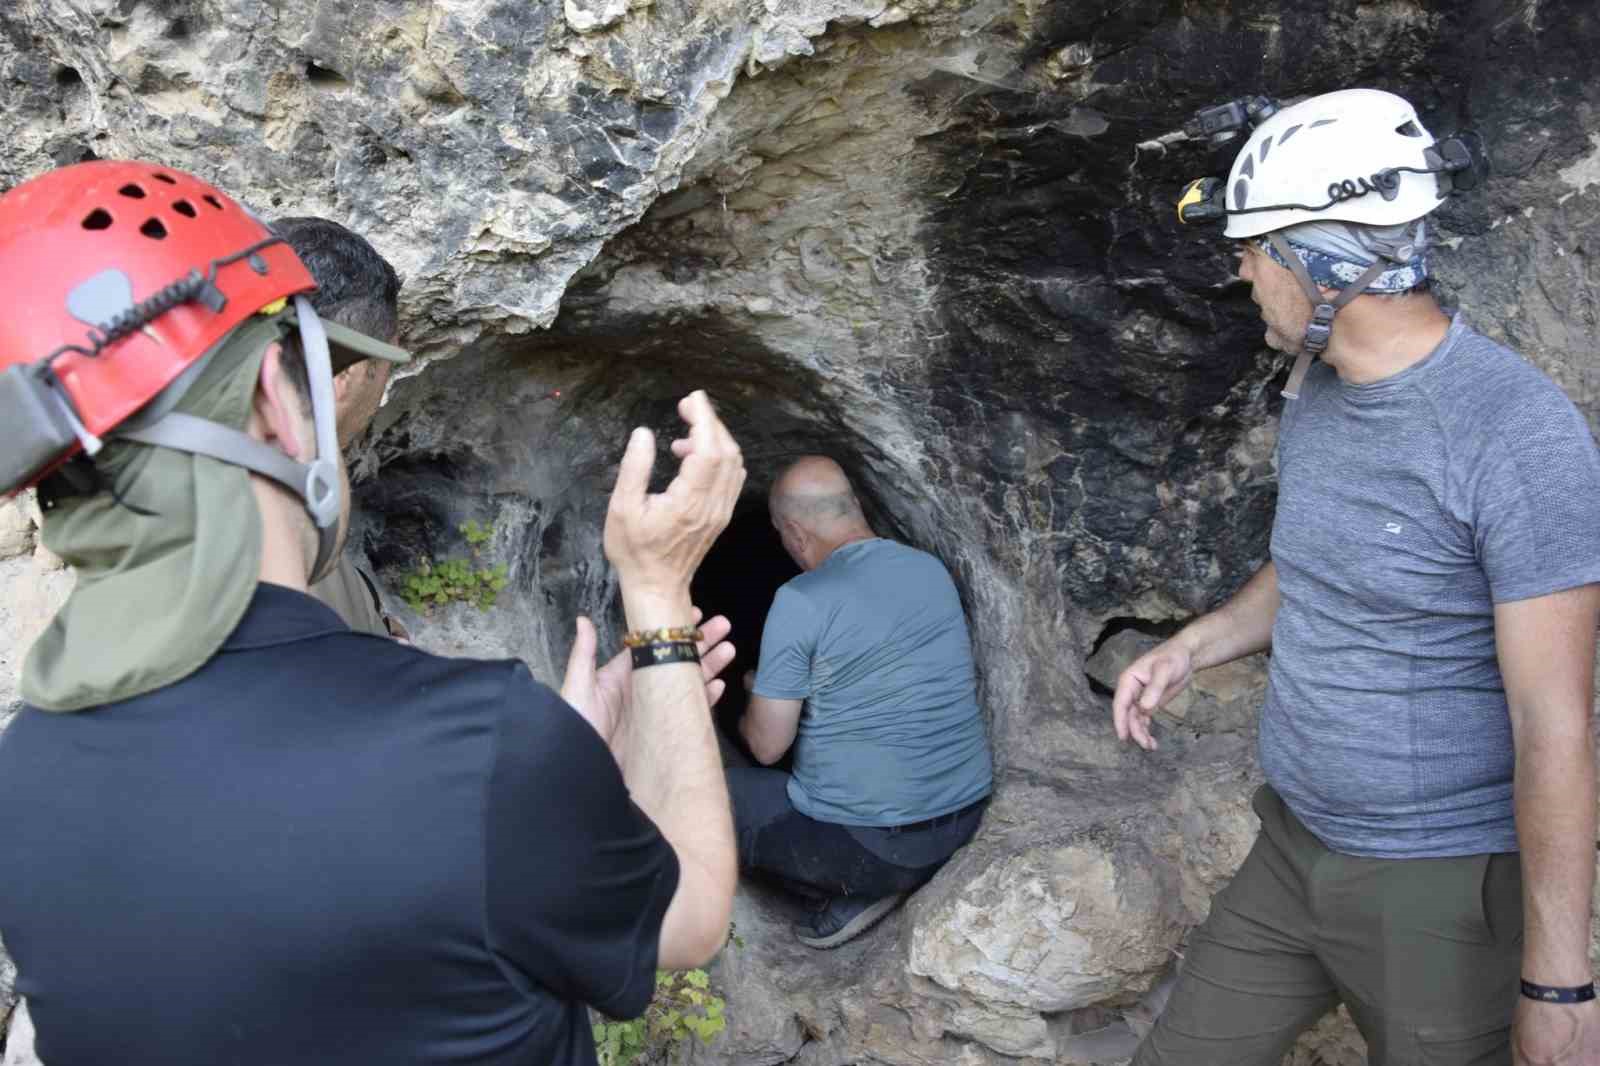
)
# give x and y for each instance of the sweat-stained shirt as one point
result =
(1407, 508)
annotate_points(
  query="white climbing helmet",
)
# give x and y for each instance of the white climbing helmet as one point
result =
(1357, 155)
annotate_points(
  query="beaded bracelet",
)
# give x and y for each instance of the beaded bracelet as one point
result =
(666, 635)
(662, 652)
(1549, 994)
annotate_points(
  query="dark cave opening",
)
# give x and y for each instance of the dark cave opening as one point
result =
(739, 577)
(1157, 629)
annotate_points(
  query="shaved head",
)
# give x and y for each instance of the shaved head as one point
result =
(815, 492)
(815, 510)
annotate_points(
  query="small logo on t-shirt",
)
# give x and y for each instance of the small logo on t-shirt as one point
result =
(1392, 527)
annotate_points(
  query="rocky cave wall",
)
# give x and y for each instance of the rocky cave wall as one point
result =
(919, 236)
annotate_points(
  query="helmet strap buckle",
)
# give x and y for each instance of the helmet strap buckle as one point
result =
(1320, 329)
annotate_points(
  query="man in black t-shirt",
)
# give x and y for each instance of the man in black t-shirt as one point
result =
(253, 836)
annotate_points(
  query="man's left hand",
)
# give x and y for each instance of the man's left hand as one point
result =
(602, 696)
(1556, 1034)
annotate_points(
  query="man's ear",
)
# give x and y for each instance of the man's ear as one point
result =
(797, 533)
(278, 410)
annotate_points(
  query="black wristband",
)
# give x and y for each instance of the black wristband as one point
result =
(1549, 994)
(661, 653)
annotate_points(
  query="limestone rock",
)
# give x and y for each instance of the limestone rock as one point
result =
(1056, 928)
(586, 16)
(16, 529)
(32, 596)
(19, 1039)
(8, 990)
(1333, 1041)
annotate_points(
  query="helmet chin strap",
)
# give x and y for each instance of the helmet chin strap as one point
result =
(316, 483)
(322, 494)
(1320, 328)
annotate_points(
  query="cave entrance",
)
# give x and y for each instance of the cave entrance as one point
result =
(739, 577)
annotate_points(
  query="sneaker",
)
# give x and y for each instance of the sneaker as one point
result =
(844, 918)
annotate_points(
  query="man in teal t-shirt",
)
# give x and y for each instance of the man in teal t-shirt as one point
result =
(866, 672)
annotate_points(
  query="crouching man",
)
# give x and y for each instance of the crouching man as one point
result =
(866, 674)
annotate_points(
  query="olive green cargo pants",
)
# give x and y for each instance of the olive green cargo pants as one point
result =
(1425, 953)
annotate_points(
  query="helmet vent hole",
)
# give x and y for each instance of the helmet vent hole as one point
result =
(165, 178)
(132, 191)
(154, 230)
(99, 218)
(1241, 193)
(1266, 146)
(1290, 132)
(186, 209)
(213, 201)
(1249, 168)
(1323, 122)
(1409, 129)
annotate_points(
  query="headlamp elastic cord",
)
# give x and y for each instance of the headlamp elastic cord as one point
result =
(1349, 189)
(193, 286)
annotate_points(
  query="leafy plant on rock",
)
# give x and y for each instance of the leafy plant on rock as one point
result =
(434, 583)
(684, 1007)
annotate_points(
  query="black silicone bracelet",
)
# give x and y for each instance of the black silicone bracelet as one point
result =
(1548, 994)
(664, 652)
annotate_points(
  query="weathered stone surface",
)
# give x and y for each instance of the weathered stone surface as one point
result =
(1052, 929)
(585, 16)
(1331, 1042)
(16, 529)
(19, 1039)
(32, 596)
(8, 998)
(920, 236)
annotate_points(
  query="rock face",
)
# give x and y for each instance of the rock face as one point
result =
(927, 237)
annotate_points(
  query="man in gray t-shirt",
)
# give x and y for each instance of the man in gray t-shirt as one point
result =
(866, 675)
(1428, 822)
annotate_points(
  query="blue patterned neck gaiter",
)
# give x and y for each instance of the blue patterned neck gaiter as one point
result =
(1337, 253)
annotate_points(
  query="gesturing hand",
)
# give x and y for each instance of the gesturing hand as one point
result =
(604, 696)
(656, 542)
(1145, 686)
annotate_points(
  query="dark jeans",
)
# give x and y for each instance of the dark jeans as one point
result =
(820, 859)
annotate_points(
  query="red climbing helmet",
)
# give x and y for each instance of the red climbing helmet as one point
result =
(116, 278)
(120, 276)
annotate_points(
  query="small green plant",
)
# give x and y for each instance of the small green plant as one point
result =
(434, 584)
(684, 1007)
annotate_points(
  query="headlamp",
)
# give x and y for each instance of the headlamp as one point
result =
(1203, 201)
(1459, 161)
(1226, 121)
(38, 428)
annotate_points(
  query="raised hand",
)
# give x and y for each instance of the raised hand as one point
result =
(656, 542)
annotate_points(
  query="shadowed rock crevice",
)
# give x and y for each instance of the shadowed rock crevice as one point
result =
(738, 579)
